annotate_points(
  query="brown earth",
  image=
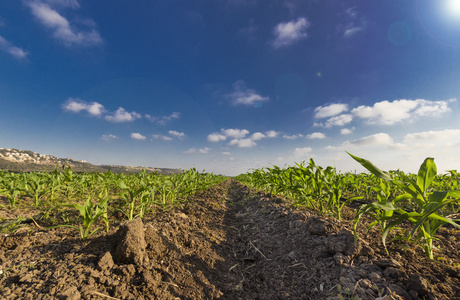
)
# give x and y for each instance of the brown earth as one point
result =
(228, 243)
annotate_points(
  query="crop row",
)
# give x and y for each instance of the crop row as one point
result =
(424, 201)
(133, 194)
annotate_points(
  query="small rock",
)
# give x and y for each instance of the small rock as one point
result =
(317, 226)
(392, 296)
(106, 261)
(346, 282)
(419, 284)
(26, 278)
(366, 250)
(362, 273)
(340, 259)
(393, 273)
(182, 216)
(365, 283)
(375, 277)
(402, 293)
(343, 242)
(71, 293)
(385, 263)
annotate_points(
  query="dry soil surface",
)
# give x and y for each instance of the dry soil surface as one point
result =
(228, 243)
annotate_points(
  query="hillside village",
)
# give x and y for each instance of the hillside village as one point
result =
(27, 156)
(15, 160)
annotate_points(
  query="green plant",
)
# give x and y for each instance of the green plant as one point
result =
(13, 188)
(130, 195)
(36, 187)
(89, 213)
(11, 225)
(426, 218)
(335, 202)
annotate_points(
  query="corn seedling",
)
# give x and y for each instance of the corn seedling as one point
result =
(130, 195)
(89, 213)
(13, 189)
(426, 218)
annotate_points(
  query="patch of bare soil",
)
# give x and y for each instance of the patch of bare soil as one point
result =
(227, 243)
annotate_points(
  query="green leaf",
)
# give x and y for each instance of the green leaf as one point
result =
(454, 194)
(122, 185)
(372, 168)
(426, 174)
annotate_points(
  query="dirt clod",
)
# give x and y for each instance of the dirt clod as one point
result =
(131, 245)
(106, 261)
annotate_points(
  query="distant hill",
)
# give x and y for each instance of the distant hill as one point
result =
(15, 160)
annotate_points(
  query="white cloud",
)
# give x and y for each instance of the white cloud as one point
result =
(201, 151)
(244, 96)
(389, 113)
(430, 136)
(176, 134)
(121, 115)
(190, 151)
(289, 33)
(109, 137)
(372, 140)
(226, 153)
(161, 137)
(62, 29)
(346, 131)
(352, 23)
(12, 50)
(242, 143)
(238, 137)
(204, 150)
(257, 136)
(216, 137)
(272, 134)
(330, 110)
(316, 135)
(352, 31)
(235, 133)
(292, 137)
(164, 119)
(77, 105)
(137, 136)
(64, 3)
(339, 120)
(302, 152)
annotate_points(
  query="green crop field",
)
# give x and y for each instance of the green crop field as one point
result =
(193, 216)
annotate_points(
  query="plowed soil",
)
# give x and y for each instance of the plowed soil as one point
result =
(228, 243)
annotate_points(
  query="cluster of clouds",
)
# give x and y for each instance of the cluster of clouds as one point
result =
(121, 115)
(50, 14)
(172, 134)
(352, 23)
(61, 19)
(204, 150)
(53, 15)
(240, 137)
(311, 136)
(381, 113)
(291, 32)
(425, 140)
(288, 33)
(242, 95)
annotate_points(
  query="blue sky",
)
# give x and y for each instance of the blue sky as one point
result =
(231, 85)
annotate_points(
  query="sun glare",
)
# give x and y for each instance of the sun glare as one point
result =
(453, 7)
